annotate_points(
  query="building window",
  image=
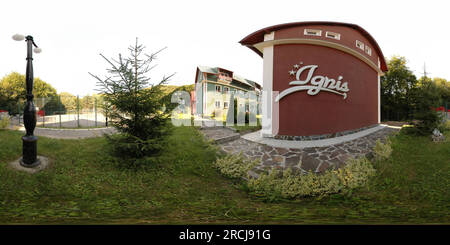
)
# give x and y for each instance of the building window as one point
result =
(218, 88)
(311, 32)
(360, 44)
(247, 107)
(333, 35)
(368, 50)
(225, 105)
(226, 90)
(218, 104)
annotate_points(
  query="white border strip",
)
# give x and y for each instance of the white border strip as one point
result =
(267, 104)
(256, 137)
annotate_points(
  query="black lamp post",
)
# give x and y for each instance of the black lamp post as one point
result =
(29, 150)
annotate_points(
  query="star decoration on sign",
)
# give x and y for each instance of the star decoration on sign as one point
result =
(293, 71)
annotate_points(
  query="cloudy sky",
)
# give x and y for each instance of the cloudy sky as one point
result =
(72, 34)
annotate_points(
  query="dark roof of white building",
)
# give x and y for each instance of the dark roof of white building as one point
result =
(215, 70)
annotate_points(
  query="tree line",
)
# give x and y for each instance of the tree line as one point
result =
(404, 97)
(13, 91)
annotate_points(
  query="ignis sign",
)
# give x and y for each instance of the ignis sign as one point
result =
(333, 91)
(316, 83)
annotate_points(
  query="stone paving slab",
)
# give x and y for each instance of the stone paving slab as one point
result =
(220, 135)
(315, 159)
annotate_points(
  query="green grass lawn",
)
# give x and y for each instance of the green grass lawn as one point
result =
(85, 185)
(247, 128)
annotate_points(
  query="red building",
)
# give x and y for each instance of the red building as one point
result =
(325, 77)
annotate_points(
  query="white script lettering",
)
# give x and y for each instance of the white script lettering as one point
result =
(317, 83)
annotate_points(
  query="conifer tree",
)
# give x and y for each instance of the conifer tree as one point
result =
(136, 104)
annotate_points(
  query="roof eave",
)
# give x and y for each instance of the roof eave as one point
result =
(258, 36)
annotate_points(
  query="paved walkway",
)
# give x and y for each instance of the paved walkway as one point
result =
(71, 133)
(307, 158)
(220, 135)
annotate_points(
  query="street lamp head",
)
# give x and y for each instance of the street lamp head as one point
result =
(18, 37)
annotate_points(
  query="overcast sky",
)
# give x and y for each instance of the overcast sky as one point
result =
(73, 33)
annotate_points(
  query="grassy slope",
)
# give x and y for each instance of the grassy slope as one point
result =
(84, 186)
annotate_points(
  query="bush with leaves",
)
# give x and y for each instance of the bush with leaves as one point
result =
(54, 106)
(382, 151)
(289, 184)
(136, 105)
(424, 98)
(234, 166)
(4, 121)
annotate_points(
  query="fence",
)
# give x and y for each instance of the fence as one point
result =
(408, 113)
(61, 112)
(88, 112)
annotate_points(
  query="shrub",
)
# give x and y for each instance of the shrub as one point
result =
(287, 184)
(4, 122)
(424, 98)
(234, 166)
(446, 126)
(246, 114)
(382, 151)
(54, 106)
(427, 122)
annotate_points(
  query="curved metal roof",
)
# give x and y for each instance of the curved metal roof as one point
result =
(258, 36)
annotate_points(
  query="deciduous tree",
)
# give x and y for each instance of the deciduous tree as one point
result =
(13, 88)
(396, 85)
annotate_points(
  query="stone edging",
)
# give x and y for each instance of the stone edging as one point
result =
(216, 127)
(72, 129)
(256, 137)
(322, 136)
(71, 133)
